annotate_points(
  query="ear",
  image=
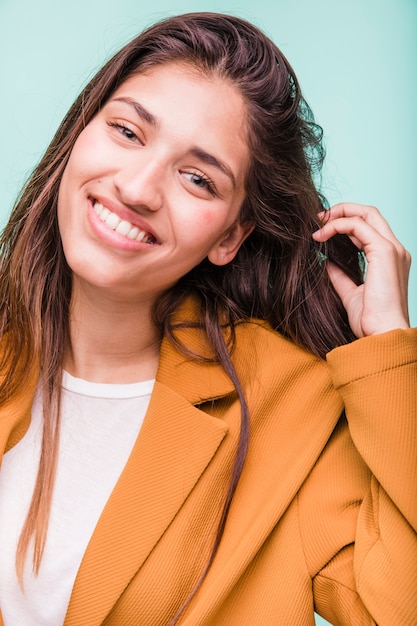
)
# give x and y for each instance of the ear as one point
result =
(226, 249)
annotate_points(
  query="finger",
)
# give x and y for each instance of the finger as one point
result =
(369, 214)
(351, 296)
(372, 216)
(367, 239)
(360, 232)
(344, 286)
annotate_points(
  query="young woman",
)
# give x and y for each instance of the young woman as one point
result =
(207, 417)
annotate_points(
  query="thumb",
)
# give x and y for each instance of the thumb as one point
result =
(344, 286)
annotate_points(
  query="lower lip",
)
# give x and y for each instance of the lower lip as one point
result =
(111, 237)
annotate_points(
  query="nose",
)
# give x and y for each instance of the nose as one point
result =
(140, 185)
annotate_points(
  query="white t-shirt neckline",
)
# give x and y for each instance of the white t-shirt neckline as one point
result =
(106, 390)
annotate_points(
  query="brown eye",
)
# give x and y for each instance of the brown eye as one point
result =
(125, 131)
(200, 181)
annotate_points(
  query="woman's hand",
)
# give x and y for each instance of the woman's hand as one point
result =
(380, 304)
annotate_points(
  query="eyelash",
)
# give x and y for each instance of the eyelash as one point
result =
(209, 184)
(124, 130)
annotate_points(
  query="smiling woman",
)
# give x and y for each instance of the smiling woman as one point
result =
(165, 188)
(197, 382)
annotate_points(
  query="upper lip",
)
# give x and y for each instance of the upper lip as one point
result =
(125, 214)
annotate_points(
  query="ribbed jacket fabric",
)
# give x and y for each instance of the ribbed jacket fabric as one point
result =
(325, 514)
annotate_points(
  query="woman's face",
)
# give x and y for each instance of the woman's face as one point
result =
(155, 182)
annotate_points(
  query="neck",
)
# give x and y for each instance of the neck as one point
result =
(112, 341)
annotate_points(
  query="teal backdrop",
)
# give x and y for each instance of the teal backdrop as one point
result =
(356, 61)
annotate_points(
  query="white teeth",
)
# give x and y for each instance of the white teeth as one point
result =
(133, 232)
(124, 227)
(121, 226)
(112, 220)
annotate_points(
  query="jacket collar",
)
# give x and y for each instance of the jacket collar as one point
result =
(16, 412)
(176, 443)
(195, 381)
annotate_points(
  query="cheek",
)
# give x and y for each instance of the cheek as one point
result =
(85, 156)
(218, 219)
(82, 167)
(208, 218)
(207, 226)
(194, 219)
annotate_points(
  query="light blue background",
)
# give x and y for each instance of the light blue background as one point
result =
(356, 61)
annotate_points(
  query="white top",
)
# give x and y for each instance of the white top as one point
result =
(100, 423)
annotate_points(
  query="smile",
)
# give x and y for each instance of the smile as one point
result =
(123, 227)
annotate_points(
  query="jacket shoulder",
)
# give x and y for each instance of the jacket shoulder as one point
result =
(261, 348)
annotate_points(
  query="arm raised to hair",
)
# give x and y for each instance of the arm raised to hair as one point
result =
(380, 303)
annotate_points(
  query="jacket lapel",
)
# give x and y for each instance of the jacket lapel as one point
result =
(175, 445)
(15, 414)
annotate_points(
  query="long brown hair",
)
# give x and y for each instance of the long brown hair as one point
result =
(278, 274)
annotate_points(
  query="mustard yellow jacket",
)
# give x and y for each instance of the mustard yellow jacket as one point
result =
(325, 514)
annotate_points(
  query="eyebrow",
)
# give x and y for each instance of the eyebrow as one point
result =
(196, 151)
(210, 159)
(140, 110)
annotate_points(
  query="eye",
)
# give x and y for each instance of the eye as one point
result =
(202, 181)
(125, 131)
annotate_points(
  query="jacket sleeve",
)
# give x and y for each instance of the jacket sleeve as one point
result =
(377, 567)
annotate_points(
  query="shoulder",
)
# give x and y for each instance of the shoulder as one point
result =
(261, 350)
(259, 332)
(286, 385)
